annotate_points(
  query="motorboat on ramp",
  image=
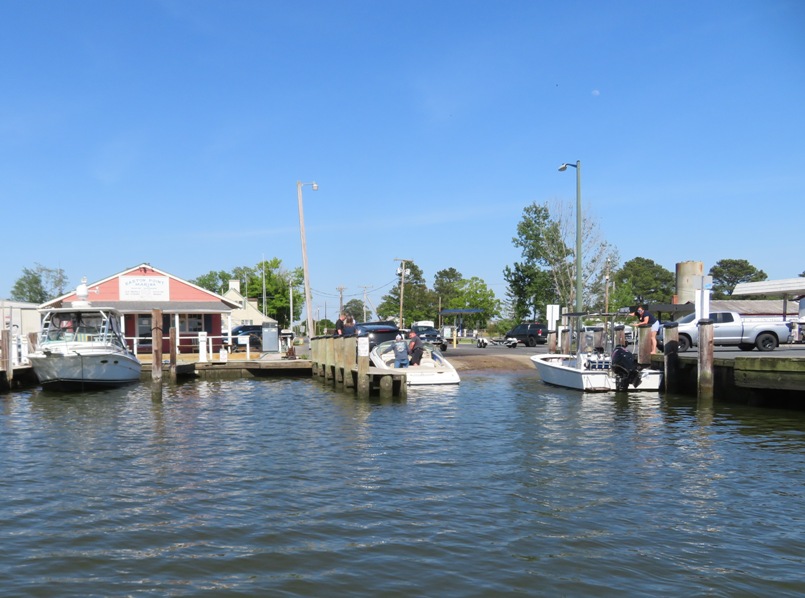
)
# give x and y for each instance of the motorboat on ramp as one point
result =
(433, 369)
(82, 347)
(598, 365)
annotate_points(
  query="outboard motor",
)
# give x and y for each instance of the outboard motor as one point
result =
(625, 368)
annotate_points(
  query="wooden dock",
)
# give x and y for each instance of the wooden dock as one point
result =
(344, 363)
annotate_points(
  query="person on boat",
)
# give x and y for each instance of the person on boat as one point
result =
(646, 319)
(400, 352)
(415, 348)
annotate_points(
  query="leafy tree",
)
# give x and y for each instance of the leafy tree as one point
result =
(530, 290)
(39, 284)
(547, 237)
(216, 282)
(453, 291)
(649, 282)
(475, 294)
(357, 308)
(418, 300)
(728, 273)
(279, 284)
(446, 286)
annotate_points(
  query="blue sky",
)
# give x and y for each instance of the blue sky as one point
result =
(173, 132)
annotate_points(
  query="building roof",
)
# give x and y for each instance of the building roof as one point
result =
(176, 294)
(784, 286)
(169, 307)
(746, 307)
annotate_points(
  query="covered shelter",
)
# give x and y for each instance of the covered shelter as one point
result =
(789, 288)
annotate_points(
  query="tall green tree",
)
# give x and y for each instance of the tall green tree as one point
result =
(727, 273)
(357, 308)
(530, 289)
(447, 287)
(418, 301)
(216, 282)
(269, 275)
(546, 235)
(475, 294)
(39, 284)
(649, 282)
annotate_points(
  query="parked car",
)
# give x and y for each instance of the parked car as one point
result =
(529, 334)
(253, 331)
(377, 332)
(430, 335)
(731, 329)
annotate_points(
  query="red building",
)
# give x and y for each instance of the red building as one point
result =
(137, 291)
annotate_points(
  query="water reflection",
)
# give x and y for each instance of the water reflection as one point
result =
(501, 485)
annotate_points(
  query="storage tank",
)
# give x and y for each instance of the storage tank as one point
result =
(686, 274)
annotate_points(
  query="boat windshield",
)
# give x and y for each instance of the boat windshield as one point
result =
(388, 347)
(78, 326)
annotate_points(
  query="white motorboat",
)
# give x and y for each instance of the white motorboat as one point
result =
(596, 367)
(596, 372)
(433, 369)
(82, 347)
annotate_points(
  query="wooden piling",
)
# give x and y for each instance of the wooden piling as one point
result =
(156, 346)
(706, 346)
(8, 362)
(329, 358)
(363, 377)
(643, 345)
(552, 341)
(386, 387)
(671, 356)
(350, 360)
(172, 353)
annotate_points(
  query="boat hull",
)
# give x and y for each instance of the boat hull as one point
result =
(562, 370)
(84, 370)
(434, 368)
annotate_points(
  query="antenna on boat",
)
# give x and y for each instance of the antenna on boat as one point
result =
(81, 293)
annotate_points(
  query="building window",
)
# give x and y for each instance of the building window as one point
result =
(144, 326)
(191, 323)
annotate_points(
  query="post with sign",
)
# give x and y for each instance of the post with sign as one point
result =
(704, 285)
(363, 367)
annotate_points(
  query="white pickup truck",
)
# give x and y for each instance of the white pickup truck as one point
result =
(730, 329)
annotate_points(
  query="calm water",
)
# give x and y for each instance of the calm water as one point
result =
(499, 487)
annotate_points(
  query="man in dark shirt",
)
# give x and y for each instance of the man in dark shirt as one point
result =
(415, 347)
(339, 325)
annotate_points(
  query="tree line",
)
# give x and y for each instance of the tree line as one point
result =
(544, 275)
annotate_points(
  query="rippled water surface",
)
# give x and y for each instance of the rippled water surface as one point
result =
(500, 487)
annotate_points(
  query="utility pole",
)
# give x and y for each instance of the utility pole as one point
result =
(340, 299)
(365, 299)
(402, 271)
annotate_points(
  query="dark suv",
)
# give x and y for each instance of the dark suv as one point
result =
(430, 335)
(377, 332)
(529, 334)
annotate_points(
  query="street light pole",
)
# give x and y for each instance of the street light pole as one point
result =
(308, 301)
(562, 168)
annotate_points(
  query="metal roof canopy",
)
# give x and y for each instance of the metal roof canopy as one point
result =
(785, 286)
(459, 312)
